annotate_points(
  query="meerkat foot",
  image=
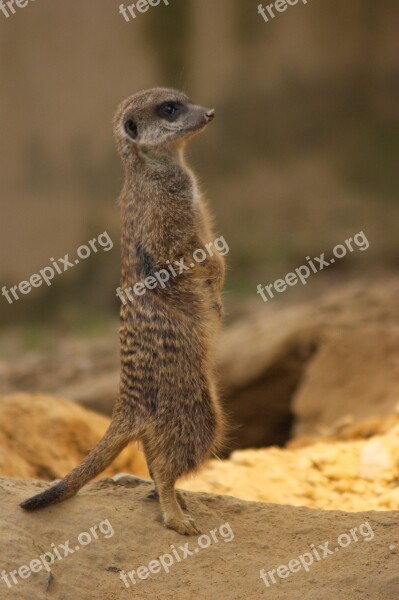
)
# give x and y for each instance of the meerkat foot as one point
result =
(184, 525)
(154, 495)
(174, 518)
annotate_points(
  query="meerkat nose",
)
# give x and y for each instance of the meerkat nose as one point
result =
(210, 114)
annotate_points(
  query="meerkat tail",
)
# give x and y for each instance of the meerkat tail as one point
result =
(98, 459)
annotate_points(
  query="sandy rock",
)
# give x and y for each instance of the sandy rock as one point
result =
(377, 460)
(45, 437)
(301, 370)
(226, 564)
(351, 476)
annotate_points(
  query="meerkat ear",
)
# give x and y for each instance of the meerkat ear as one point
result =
(131, 129)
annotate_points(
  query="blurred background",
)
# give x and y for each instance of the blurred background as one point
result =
(303, 152)
(302, 155)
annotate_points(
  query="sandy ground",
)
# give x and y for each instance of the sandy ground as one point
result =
(361, 564)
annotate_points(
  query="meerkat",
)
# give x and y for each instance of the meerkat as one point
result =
(167, 398)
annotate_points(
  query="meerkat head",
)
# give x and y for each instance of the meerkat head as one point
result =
(158, 117)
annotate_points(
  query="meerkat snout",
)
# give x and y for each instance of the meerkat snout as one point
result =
(210, 114)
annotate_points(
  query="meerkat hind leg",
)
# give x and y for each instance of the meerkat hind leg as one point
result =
(173, 516)
(154, 494)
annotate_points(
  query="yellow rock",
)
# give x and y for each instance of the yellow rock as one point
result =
(336, 475)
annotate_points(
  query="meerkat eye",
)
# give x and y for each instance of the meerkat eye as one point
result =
(170, 110)
(131, 129)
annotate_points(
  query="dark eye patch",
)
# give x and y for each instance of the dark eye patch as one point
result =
(131, 129)
(170, 111)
